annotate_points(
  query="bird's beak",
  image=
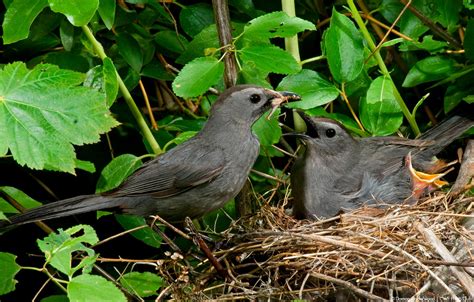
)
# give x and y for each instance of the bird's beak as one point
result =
(278, 98)
(311, 131)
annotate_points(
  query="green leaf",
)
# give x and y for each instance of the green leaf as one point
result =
(55, 298)
(197, 76)
(117, 171)
(194, 18)
(85, 165)
(111, 85)
(147, 235)
(43, 112)
(130, 50)
(344, 48)
(379, 111)
(9, 269)
(24, 200)
(430, 69)
(206, 39)
(19, 17)
(453, 96)
(66, 33)
(265, 57)
(267, 131)
(85, 288)
(311, 86)
(78, 12)
(427, 44)
(169, 40)
(107, 12)
(59, 247)
(469, 40)
(449, 13)
(180, 138)
(276, 24)
(469, 4)
(250, 74)
(143, 284)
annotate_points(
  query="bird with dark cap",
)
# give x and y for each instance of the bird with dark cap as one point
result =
(339, 172)
(192, 179)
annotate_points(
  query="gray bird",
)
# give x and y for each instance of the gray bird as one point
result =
(337, 171)
(193, 178)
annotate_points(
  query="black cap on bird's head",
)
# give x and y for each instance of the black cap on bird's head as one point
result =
(324, 134)
(248, 102)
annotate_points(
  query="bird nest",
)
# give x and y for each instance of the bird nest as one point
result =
(396, 252)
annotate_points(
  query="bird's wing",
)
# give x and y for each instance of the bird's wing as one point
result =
(174, 172)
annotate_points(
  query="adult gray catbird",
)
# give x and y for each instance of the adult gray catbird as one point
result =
(193, 178)
(338, 171)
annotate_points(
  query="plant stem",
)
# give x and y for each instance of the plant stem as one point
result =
(291, 44)
(313, 59)
(383, 67)
(145, 130)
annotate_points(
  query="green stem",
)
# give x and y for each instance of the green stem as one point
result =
(313, 59)
(383, 68)
(291, 44)
(145, 130)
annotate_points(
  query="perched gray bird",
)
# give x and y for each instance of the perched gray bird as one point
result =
(193, 178)
(339, 172)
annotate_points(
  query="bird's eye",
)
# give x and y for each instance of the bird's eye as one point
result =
(330, 132)
(255, 98)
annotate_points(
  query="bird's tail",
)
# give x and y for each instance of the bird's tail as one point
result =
(62, 208)
(446, 132)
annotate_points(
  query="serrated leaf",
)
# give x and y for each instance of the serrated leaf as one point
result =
(250, 74)
(379, 111)
(9, 269)
(78, 12)
(143, 284)
(276, 24)
(84, 288)
(111, 85)
(19, 17)
(107, 12)
(344, 48)
(43, 112)
(266, 57)
(117, 171)
(267, 131)
(206, 39)
(197, 76)
(23, 199)
(430, 69)
(194, 18)
(59, 247)
(312, 87)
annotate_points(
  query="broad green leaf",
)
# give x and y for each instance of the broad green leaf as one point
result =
(19, 17)
(269, 59)
(194, 18)
(78, 12)
(267, 131)
(117, 171)
(276, 24)
(147, 235)
(453, 96)
(427, 44)
(59, 247)
(312, 87)
(180, 138)
(247, 7)
(85, 165)
(411, 25)
(250, 74)
(155, 70)
(469, 4)
(469, 40)
(85, 288)
(206, 39)
(24, 200)
(9, 269)
(43, 112)
(344, 48)
(430, 69)
(143, 284)
(130, 50)
(55, 298)
(66, 33)
(197, 76)
(379, 111)
(359, 86)
(167, 39)
(111, 85)
(448, 13)
(107, 12)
